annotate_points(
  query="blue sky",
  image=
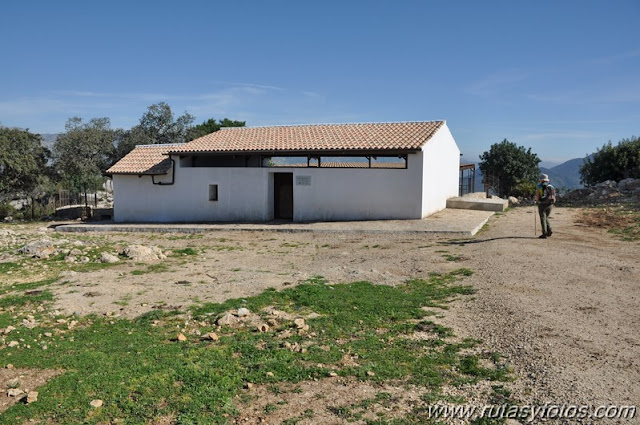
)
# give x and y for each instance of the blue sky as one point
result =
(561, 77)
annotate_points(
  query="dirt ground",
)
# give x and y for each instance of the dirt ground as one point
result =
(564, 311)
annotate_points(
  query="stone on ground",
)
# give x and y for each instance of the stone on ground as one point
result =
(143, 253)
(106, 257)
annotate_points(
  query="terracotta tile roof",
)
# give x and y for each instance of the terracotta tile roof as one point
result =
(401, 136)
(145, 159)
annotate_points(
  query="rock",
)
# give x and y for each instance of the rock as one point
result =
(227, 320)
(513, 201)
(181, 338)
(263, 327)
(41, 248)
(8, 329)
(13, 344)
(299, 322)
(75, 252)
(45, 252)
(242, 312)
(575, 194)
(143, 253)
(270, 374)
(29, 323)
(608, 192)
(285, 334)
(370, 373)
(333, 374)
(70, 259)
(629, 185)
(14, 392)
(8, 219)
(611, 184)
(211, 336)
(84, 259)
(9, 366)
(96, 403)
(248, 385)
(32, 396)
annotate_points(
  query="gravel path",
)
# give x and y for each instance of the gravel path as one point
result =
(564, 311)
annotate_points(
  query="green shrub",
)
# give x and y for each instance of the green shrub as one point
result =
(612, 162)
(524, 189)
(6, 210)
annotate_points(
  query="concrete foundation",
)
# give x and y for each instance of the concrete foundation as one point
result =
(473, 203)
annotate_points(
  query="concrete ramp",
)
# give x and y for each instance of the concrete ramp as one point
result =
(474, 203)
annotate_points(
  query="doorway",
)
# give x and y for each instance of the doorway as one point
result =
(283, 196)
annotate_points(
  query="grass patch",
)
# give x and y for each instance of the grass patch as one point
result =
(29, 297)
(620, 220)
(186, 237)
(142, 373)
(185, 251)
(227, 248)
(9, 267)
(450, 257)
(153, 268)
(28, 286)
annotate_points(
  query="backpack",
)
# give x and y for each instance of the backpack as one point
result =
(546, 193)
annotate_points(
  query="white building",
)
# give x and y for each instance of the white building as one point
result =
(302, 173)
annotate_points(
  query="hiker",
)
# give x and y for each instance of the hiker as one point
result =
(545, 198)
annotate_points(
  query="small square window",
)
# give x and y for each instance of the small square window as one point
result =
(213, 192)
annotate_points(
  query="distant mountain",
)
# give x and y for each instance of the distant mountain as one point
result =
(565, 175)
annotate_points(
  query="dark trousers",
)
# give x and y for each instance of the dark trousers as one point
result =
(545, 211)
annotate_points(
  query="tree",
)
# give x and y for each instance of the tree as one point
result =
(506, 165)
(157, 125)
(612, 162)
(84, 151)
(129, 140)
(23, 162)
(211, 126)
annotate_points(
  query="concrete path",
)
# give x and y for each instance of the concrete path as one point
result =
(448, 221)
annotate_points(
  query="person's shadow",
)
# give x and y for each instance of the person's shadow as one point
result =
(472, 241)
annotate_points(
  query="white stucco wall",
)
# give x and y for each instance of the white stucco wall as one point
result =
(441, 169)
(359, 194)
(246, 193)
(242, 196)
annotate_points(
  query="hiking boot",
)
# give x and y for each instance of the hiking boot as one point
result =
(542, 237)
(549, 233)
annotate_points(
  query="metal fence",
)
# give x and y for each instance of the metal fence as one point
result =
(467, 179)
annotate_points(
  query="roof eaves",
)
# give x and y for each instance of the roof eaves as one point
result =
(302, 152)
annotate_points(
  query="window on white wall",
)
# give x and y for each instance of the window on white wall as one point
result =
(213, 192)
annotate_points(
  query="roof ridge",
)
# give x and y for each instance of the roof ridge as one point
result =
(153, 145)
(334, 124)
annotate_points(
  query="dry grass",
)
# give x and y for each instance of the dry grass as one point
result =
(622, 220)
